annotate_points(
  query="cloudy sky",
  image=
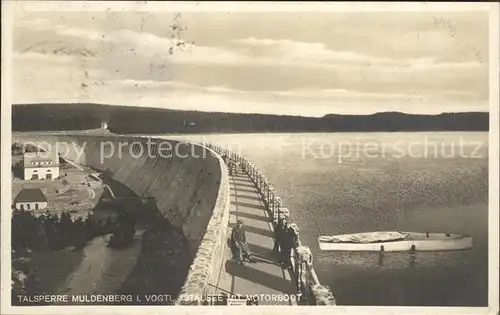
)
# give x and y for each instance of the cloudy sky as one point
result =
(310, 63)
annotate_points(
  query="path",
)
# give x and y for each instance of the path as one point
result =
(89, 189)
(265, 277)
(106, 186)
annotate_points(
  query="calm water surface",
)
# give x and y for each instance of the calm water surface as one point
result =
(358, 182)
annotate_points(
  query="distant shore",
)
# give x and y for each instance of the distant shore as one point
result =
(154, 121)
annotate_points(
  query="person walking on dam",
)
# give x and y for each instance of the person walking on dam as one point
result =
(239, 243)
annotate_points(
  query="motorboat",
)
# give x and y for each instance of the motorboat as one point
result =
(395, 241)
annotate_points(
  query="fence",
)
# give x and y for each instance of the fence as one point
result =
(307, 282)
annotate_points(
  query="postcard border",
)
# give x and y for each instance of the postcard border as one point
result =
(9, 7)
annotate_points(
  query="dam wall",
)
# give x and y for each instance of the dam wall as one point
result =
(188, 183)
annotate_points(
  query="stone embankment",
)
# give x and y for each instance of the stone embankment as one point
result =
(209, 259)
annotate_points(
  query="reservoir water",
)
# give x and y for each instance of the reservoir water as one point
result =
(335, 183)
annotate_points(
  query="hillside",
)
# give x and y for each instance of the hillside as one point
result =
(132, 120)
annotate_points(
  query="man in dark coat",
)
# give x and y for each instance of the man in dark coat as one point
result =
(277, 226)
(279, 232)
(239, 243)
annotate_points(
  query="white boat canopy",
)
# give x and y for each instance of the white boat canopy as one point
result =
(369, 237)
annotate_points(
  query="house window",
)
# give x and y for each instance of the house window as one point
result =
(48, 171)
(36, 206)
(21, 206)
(27, 206)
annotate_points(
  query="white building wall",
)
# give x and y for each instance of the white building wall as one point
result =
(31, 205)
(41, 172)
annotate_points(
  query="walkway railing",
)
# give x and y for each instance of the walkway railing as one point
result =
(307, 282)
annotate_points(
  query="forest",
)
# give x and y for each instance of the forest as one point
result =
(32, 234)
(140, 120)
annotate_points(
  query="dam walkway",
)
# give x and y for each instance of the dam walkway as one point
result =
(265, 278)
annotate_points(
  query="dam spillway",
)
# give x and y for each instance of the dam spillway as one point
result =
(192, 190)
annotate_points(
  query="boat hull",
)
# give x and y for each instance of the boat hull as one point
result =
(414, 242)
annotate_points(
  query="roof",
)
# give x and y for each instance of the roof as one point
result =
(31, 195)
(48, 156)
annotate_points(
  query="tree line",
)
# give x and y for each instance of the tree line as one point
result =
(130, 120)
(53, 232)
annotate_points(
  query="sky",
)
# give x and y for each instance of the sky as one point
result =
(294, 63)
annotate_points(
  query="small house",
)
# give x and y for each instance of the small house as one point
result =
(31, 199)
(41, 165)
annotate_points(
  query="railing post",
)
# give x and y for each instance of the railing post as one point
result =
(278, 208)
(261, 183)
(273, 201)
(269, 197)
(266, 187)
(263, 187)
(263, 193)
(304, 257)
